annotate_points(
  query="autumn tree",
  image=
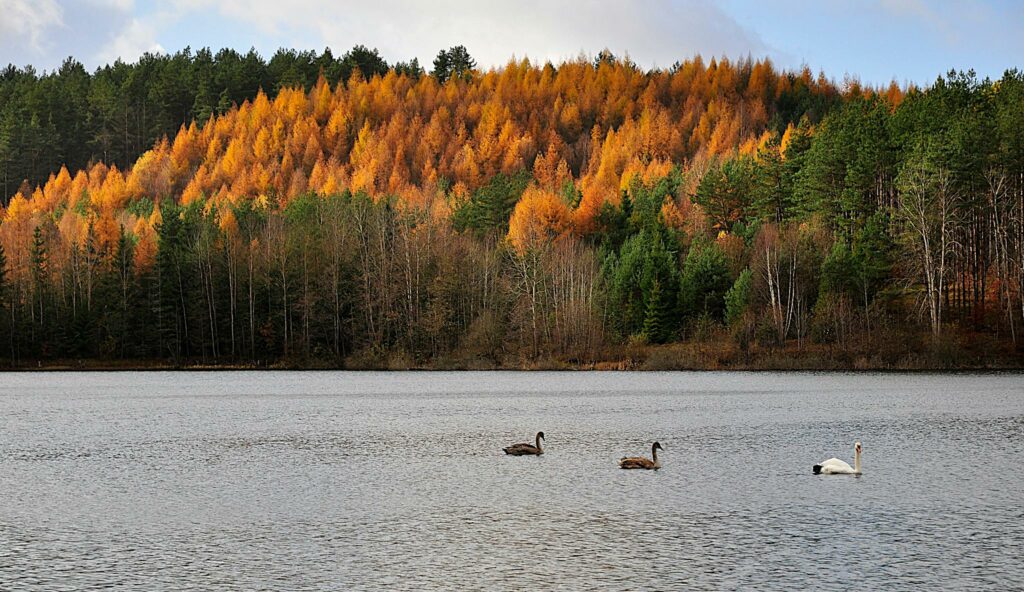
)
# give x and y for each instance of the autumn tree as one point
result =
(340, 211)
(539, 217)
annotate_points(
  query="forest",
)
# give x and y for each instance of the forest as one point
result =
(318, 211)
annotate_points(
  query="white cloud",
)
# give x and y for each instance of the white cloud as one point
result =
(120, 5)
(28, 21)
(138, 37)
(653, 31)
(839, 35)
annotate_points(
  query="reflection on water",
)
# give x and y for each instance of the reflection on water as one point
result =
(341, 481)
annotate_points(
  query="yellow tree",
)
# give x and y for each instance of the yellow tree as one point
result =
(538, 217)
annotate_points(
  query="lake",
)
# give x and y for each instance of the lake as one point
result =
(397, 481)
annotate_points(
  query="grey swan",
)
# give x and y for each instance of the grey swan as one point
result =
(526, 449)
(639, 462)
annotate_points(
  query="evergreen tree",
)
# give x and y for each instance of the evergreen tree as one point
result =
(246, 255)
(367, 61)
(39, 260)
(848, 170)
(738, 298)
(704, 282)
(455, 63)
(725, 191)
(613, 223)
(411, 68)
(3, 276)
(119, 284)
(872, 257)
(489, 208)
(838, 271)
(224, 102)
(657, 327)
(643, 202)
(174, 281)
(643, 261)
(202, 107)
(6, 331)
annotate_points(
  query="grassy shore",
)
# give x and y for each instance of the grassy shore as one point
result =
(901, 352)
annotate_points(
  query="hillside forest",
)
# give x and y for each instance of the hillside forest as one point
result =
(341, 211)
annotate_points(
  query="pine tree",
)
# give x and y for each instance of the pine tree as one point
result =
(224, 103)
(657, 317)
(737, 299)
(3, 276)
(173, 281)
(704, 282)
(124, 290)
(453, 63)
(202, 107)
(4, 329)
(40, 263)
(642, 262)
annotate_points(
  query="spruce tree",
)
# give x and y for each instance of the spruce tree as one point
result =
(704, 281)
(656, 328)
(4, 329)
(737, 299)
(3, 275)
(453, 63)
(39, 261)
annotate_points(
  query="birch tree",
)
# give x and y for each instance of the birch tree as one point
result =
(928, 208)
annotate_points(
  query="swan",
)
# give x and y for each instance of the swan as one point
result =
(526, 449)
(834, 466)
(639, 462)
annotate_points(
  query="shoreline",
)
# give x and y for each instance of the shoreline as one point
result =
(900, 353)
(271, 370)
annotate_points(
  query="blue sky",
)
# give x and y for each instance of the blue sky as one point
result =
(875, 40)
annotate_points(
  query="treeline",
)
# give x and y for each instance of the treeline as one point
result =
(566, 213)
(71, 117)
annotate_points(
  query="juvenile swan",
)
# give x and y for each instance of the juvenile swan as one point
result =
(526, 449)
(834, 466)
(639, 462)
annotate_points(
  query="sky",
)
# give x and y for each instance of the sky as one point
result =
(875, 41)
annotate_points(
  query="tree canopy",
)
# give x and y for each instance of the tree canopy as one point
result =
(223, 207)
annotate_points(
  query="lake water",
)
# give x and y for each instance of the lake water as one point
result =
(396, 481)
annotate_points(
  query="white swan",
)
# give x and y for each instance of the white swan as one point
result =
(834, 466)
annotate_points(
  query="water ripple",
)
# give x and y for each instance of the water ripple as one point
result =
(335, 481)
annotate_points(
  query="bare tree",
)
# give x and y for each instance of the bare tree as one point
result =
(776, 269)
(277, 253)
(928, 207)
(529, 285)
(575, 280)
(1003, 214)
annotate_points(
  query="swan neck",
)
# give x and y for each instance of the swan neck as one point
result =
(538, 443)
(654, 454)
(856, 461)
